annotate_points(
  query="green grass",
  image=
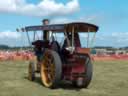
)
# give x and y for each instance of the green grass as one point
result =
(110, 79)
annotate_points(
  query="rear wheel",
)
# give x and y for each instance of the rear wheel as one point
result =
(51, 68)
(31, 71)
(85, 81)
(89, 72)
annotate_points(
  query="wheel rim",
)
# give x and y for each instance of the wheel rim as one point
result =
(48, 70)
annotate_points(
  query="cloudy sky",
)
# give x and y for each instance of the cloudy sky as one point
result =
(110, 15)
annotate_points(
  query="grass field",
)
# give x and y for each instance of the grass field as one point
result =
(110, 79)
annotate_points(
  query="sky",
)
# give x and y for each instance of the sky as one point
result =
(110, 15)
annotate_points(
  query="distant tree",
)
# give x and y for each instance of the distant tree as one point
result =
(4, 47)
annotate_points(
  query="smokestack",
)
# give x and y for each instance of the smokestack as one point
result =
(45, 21)
(45, 32)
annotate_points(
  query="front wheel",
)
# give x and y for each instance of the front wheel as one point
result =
(31, 71)
(51, 69)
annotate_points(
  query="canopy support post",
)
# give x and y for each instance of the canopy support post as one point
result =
(34, 35)
(73, 36)
(93, 38)
(88, 38)
(28, 38)
(68, 41)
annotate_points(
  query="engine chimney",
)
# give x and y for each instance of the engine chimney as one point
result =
(45, 22)
(45, 32)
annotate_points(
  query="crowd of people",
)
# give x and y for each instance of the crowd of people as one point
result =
(28, 55)
(16, 55)
(110, 57)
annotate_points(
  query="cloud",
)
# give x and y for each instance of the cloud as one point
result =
(43, 8)
(9, 35)
(61, 20)
(10, 38)
(116, 39)
(93, 19)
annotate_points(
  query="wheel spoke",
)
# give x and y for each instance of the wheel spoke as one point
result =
(48, 68)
